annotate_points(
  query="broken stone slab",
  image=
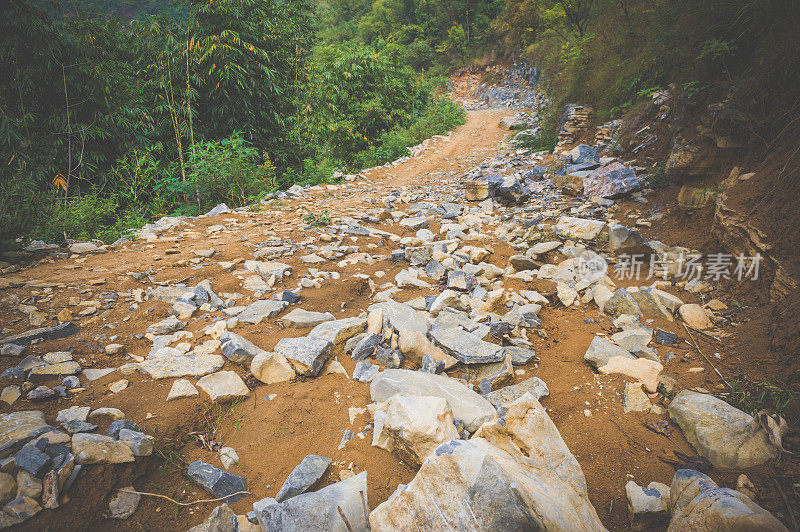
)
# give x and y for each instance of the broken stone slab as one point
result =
(181, 366)
(720, 432)
(221, 519)
(466, 405)
(56, 332)
(263, 308)
(621, 302)
(581, 228)
(465, 347)
(223, 386)
(415, 346)
(365, 372)
(222, 484)
(489, 484)
(340, 507)
(307, 355)
(337, 332)
(413, 426)
(99, 449)
(237, 349)
(601, 350)
(304, 319)
(648, 508)
(182, 388)
(168, 325)
(635, 400)
(644, 370)
(303, 476)
(534, 386)
(18, 427)
(402, 316)
(55, 370)
(698, 504)
(271, 368)
(519, 355)
(611, 181)
(623, 240)
(650, 304)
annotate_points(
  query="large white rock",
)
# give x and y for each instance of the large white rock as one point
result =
(644, 370)
(516, 475)
(181, 366)
(319, 510)
(412, 426)
(699, 505)
(720, 432)
(695, 316)
(578, 227)
(223, 386)
(465, 404)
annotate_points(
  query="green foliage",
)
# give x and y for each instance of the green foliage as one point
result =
(658, 177)
(752, 396)
(318, 220)
(545, 141)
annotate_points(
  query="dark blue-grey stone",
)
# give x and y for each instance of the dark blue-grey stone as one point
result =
(220, 483)
(666, 337)
(365, 347)
(302, 477)
(33, 460)
(389, 358)
(118, 425)
(45, 333)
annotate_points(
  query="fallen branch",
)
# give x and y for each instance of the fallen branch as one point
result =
(697, 348)
(786, 503)
(202, 501)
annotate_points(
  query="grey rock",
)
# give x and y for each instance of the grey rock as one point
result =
(519, 355)
(303, 476)
(32, 460)
(11, 350)
(699, 505)
(320, 510)
(467, 406)
(222, 519)
(140, 444)
(74, 426)
(720, 432)
(258, 310)
(181, 366)
(435, 270)
(220, 483)
(602, 350)
(124, 503)
(307, 354)
(389, 358)
(621, 302)
(611, 181)
(365, 372)
(304, 319)
(583, 153)
(459, 280)
(365, 347)
(237, 349)
(168, 325)
(338, 332)
(534, 386)
(45, 333)
(466, 347)
(623, 240)
(429, 365)
(41, 393)
(402, 316)
(119, 424)
(415, 223)
(666, 337)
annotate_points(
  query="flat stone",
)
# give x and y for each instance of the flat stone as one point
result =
(46, 333)
(307, 355)
(168, 325)
(99, 449)
(601, 350)
(519, 355)
(10, 394)
(303, 476)
(33, 460)
(338, 332)
(124, 503)
(181, 366)
(695, 316)
(220, 483)
(223, 386)
(79, 413)
(304, 319)
(581, 228)
(402, 316)
(720, 432)
(465, 347)
(261, 309)
(319, 510)
(92, 374)
(466, 405)
(182, 388)
(644, 370)
(55, 370)
(534, 386)
(18, 427)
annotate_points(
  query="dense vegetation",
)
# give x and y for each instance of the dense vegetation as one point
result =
(146, 114)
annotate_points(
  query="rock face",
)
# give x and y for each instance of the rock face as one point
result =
(518, 475)
(466, 405)
(413, 426)
(340, 507)
(699, 505)
(303, 476)
(720, 432)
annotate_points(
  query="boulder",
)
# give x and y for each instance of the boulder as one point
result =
(699, 505)
(720, 432)
(340, 507)
(611, 181)
(466, 405)
(412, 426)
(624, 240)
(99, 449)
(512, 475)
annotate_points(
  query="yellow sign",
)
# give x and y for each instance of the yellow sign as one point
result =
(60, 182)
